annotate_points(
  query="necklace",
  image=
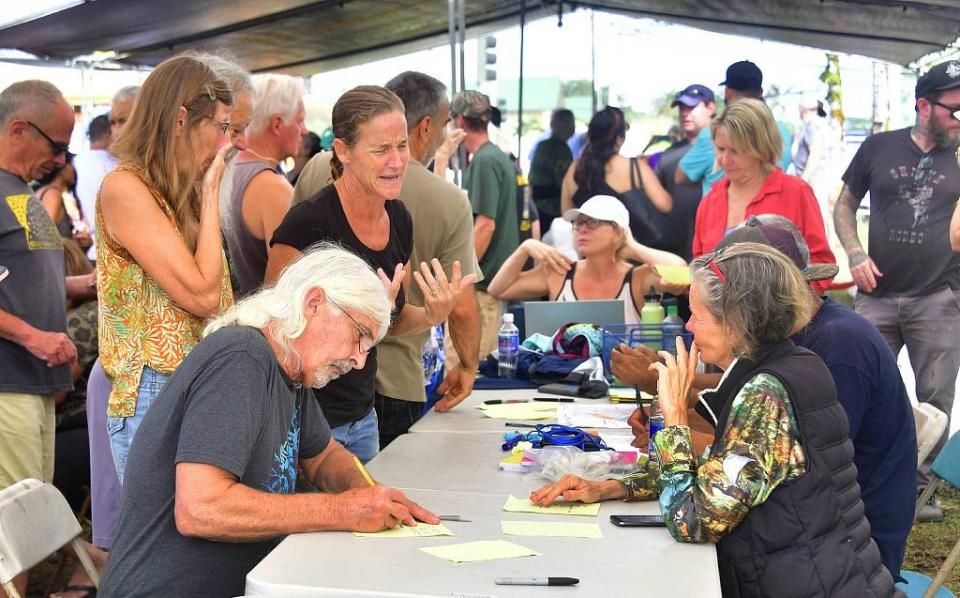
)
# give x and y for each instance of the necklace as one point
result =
(262, 157)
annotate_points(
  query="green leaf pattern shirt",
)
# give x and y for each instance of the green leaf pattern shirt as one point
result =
(703, 500)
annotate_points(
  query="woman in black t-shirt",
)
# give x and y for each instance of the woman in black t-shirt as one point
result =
(360, 212)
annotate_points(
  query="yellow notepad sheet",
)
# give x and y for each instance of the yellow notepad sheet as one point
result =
(484, 550)
(623, 394)
(520, 411)
(523, 505)
(559, 529)
(421, 530)
(675, 274)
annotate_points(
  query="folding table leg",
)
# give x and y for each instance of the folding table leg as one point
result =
(87, 562)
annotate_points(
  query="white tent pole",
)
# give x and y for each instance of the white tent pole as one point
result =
(463, 40)
(451, 28)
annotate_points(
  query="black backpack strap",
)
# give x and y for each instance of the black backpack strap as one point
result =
(635, 180)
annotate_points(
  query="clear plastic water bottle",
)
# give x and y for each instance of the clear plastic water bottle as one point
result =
(656, 424)
(672, 328)
(508, 348)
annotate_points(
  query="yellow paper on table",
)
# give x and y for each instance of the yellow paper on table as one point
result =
(623, 394)
(559, 529)
(520, 411)
(675, 274)
(421, 530)
(523, 505)
(484, 550)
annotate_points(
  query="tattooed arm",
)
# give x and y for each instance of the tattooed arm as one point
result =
(862, 268)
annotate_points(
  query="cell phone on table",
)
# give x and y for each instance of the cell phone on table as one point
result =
(637, 520)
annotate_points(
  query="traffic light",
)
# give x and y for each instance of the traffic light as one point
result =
(490, 58)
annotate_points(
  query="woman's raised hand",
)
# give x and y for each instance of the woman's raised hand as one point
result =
(214, 174)
(439, 293)
(674, 382)
(551, 257)
(393, 285)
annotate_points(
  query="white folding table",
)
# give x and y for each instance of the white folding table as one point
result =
(625, 562)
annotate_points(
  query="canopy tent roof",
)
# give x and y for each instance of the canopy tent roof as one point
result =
(308, 36)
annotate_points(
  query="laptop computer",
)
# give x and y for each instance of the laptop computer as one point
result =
(546, 317)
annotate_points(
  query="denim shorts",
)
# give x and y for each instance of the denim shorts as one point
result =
(123, 429)
(361, 437)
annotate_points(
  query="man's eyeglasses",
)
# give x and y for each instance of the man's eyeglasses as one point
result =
(953, 110)
(58, 148)
(362, 332)
(923, 169)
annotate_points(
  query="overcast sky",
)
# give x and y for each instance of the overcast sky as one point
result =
(640, 59)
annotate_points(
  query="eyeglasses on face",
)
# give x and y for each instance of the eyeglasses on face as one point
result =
(222, 126)
(923, 169)
(589, 223)
(362, 332)
(953, 110)
(58, 148)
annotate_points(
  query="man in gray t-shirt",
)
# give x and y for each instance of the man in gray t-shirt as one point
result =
(210, 486)
(35, 352)
(908, 278)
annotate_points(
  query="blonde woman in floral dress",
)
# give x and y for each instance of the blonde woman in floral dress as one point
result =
(161, 269)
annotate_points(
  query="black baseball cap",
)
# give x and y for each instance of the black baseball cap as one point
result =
(744, 76)
(786, 239)
(943, 76)
(692, 95)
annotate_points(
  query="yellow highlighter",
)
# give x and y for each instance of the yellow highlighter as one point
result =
(363, 471)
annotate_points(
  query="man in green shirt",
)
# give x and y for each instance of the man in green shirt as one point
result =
(491, 185)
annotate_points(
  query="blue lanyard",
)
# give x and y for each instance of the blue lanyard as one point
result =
(556, 435)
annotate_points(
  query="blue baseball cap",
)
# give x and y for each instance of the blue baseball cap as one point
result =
(692, 95)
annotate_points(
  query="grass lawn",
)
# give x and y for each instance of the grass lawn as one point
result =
(929, 543)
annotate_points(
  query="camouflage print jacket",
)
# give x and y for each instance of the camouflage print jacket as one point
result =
(703, 500)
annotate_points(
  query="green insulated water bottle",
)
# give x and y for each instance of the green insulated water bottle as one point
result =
(651, 318)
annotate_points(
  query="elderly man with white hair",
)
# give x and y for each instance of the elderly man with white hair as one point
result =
(211, 486)
(260, 194)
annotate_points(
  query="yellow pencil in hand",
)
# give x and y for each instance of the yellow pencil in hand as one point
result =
(363, 471)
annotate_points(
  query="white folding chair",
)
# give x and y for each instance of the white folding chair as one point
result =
(930, 423)
(36, 521)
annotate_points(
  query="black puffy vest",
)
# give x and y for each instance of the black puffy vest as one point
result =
(810, 537)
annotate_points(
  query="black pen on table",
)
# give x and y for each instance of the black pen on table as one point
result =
(504, 401)
(554, 399)
(536, 581)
